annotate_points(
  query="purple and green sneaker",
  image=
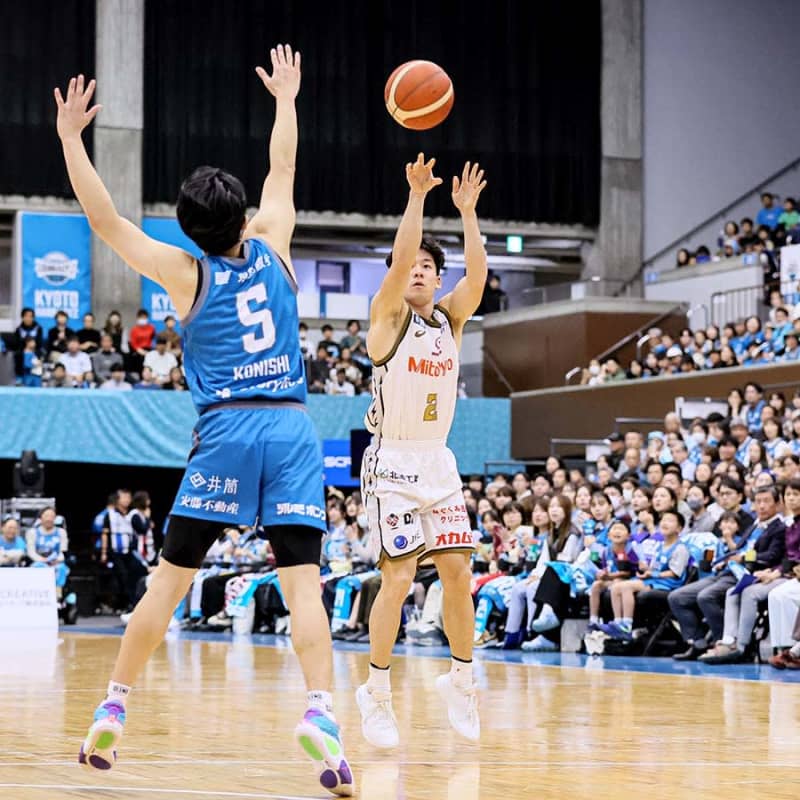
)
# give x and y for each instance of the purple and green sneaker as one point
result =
(321, 740)
(99, 747)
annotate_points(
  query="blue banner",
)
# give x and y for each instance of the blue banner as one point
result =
(336, 462)
(154, 298)
(56, 266)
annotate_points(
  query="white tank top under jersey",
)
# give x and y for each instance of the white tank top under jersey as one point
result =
(414, 388)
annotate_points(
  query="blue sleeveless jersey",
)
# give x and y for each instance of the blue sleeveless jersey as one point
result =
(241, 339)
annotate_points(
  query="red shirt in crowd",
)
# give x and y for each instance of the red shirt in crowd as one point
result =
(142, 336)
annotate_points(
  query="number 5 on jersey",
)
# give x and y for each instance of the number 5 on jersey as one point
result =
(252, 342)
(431, 411)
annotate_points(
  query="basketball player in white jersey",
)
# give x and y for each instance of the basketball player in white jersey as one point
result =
(409, 477)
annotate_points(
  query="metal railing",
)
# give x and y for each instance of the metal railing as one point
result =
(721, 215)
(625, 340)
(734, 304)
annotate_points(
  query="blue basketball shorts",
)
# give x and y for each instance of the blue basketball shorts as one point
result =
(263, 463)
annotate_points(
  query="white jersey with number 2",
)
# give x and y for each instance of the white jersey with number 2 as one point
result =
(414, 388)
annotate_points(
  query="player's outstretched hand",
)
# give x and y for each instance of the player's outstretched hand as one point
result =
(73, 115)
(420, 175)
(467, 190)
(285, 78)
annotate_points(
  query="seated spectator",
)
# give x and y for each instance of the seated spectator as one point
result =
(88, 335)
(784, 600)
(667, 570)
(140, 340)
(12, 545)
(494, 298)
(46, 546)
(176, 382)
(58, 336)
(705, 599)
(702, 255)
(683, 258)
(613, 372)
(88, 381)
(521, 484)
(319, 370)
(75, 361)
(791, 350)
(114, 329)
(765, 549)
(160, 361)
(352, 371)
(774, 444)
(747, 235)
(32, 366)
(702, 520)
(680, 456)
(769, 214)
(353, 341)
(28, 328)
(728, 233)
(328, 342)
(105, 358)
(790, 218)
(170, 332)
(340, 386)
(148, 381)
(617, 562)
(58, 378)
(117, 382)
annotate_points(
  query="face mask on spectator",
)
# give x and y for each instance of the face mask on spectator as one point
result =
(627, 495)
(141, 321)
(699, 437)
(594, 369)
(694, 503)
(616, 501)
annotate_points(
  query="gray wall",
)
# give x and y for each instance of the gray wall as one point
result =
(720, 108)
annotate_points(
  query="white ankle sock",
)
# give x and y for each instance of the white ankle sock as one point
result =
(380, 678)
(117, 693)
(461, 673)
(322, 701)
(594, 620)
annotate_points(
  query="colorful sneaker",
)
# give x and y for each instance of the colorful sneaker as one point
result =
(616, 631)
(378, 723)
(320, 737)
(99, 747)
(462, 707)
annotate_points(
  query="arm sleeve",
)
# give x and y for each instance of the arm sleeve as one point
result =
(30, 539)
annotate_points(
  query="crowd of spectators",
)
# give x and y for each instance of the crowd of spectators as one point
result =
(705, 515)
(112, 358)
(744, 343)
(757, 242)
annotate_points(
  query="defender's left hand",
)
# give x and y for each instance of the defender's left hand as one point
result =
(72, 114)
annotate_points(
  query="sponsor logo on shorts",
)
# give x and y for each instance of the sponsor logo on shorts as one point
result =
(453, 538)
(299, 510)
(197, 480)
(451, 515)
(396, 477)
(392, 520)
(215, 506)
(400, 542)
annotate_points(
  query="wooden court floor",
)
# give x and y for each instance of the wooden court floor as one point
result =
(212, 720)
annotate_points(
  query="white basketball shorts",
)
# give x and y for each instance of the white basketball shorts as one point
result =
(413, 498)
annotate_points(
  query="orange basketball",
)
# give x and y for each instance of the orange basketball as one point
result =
(419, 95)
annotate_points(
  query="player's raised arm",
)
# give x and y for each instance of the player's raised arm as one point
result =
(170, 266)
(389, 299)
(276, 215)
(465, 298)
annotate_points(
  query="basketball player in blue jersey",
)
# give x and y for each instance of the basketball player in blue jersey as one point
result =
(255, 454)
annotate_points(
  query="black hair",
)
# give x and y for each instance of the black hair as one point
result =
(62, 313)
(326, 327)
(675, 513)
(27, 310)
(766, 194)
(703, 487)
(430, 246)
(731, 483)
(211, 209)
(142, 312)
(117, 367)
(757, 386)
(353, 322)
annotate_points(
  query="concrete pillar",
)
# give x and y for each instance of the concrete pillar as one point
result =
(118, 144)
(617, 254)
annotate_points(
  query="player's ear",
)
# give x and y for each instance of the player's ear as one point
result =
(438, 280)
